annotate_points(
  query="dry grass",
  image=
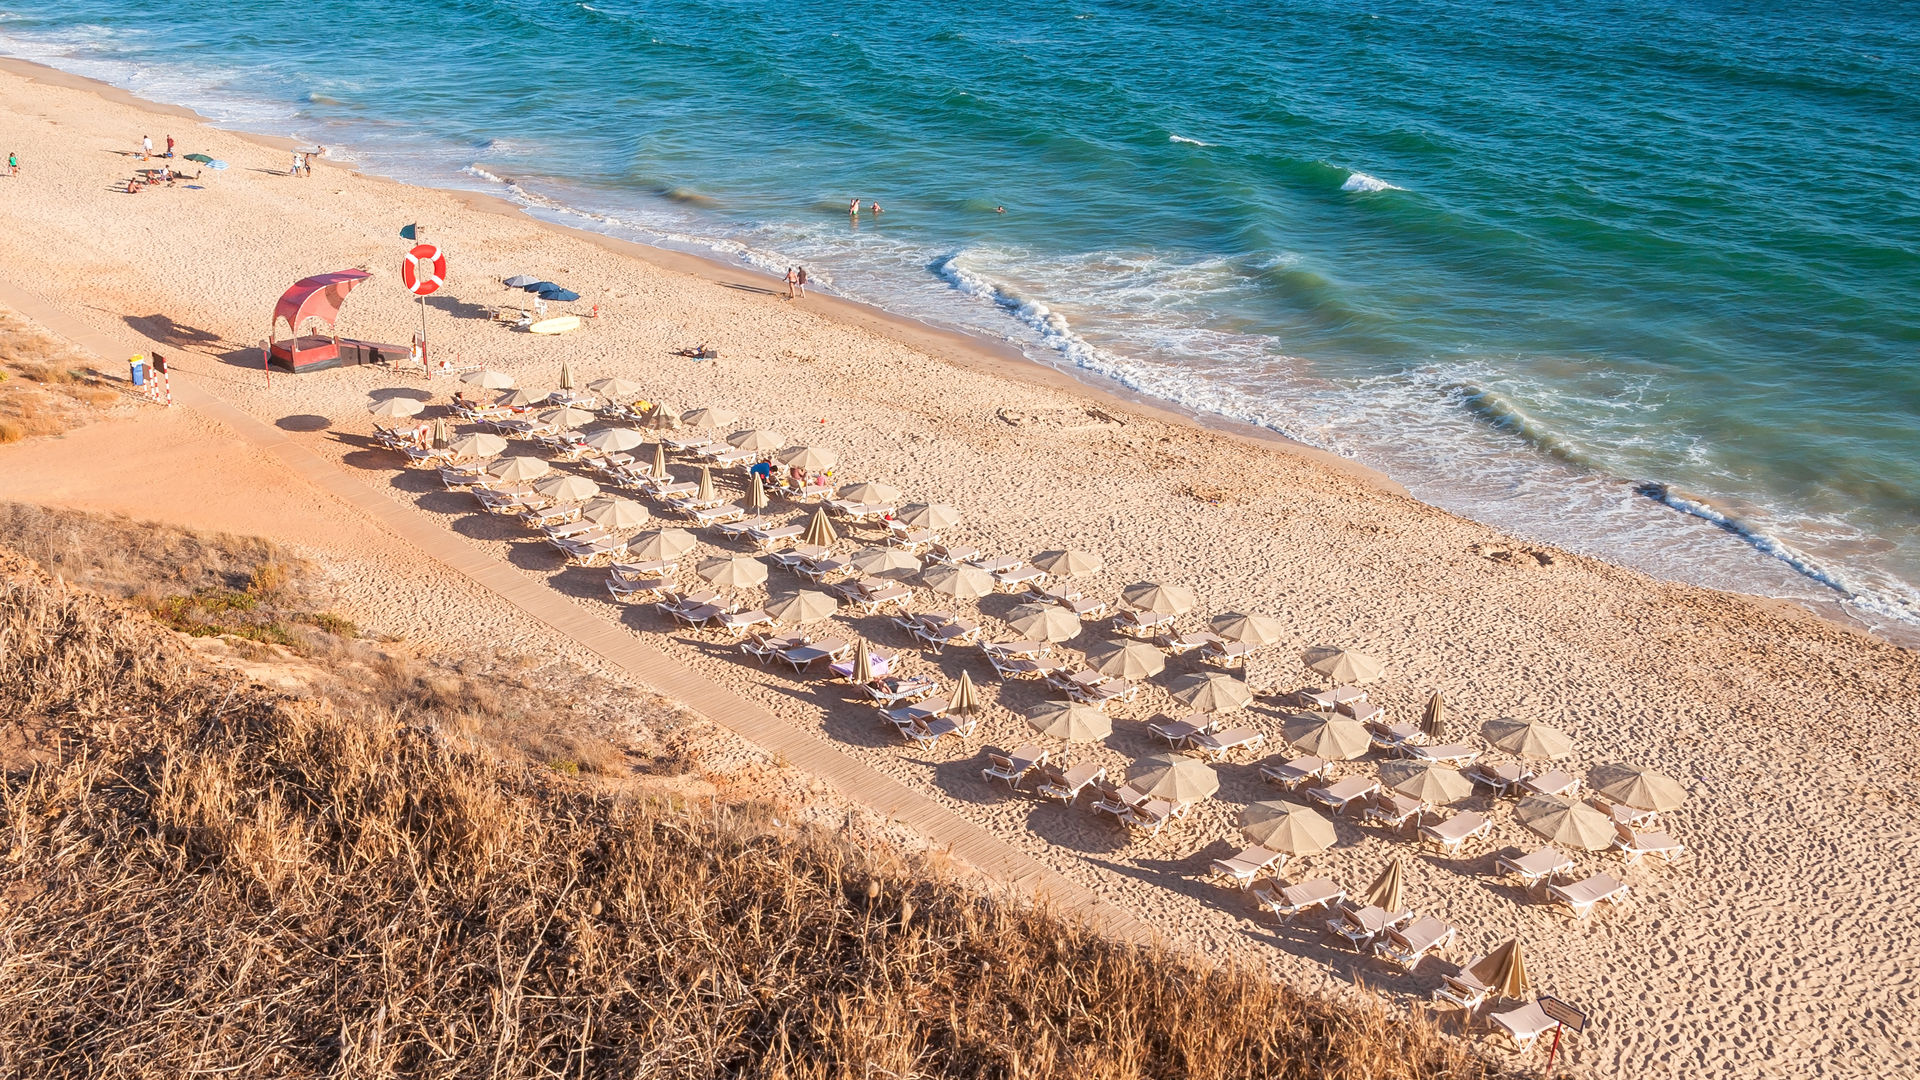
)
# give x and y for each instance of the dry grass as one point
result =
(198, 877)
(46, 385)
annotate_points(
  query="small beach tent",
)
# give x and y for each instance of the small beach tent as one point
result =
(317, 298)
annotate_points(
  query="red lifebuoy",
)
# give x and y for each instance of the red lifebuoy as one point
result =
(424, 270)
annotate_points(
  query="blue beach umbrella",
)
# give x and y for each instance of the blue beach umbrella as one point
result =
(558, 293)
(539, 286)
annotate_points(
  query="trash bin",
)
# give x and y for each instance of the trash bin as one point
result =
(139, 371)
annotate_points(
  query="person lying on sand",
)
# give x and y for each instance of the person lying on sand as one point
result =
(701, 351)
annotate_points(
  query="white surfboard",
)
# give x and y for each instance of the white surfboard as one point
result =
(558, 325)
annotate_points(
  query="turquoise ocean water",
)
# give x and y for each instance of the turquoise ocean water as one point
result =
(1638, 279)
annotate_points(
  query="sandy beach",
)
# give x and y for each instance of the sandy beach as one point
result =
(1779, 947)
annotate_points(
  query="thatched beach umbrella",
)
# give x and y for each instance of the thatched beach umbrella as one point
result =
(662, 545)
(1176, 778)
(520, 469)
(812, 459)
(1335, 738)
(1159, 599)
(520, 399)
(934, 516)
(488, 380)
(1427, 782)
(862, 664)
(705, 494)
(1566, 822)
(960, 582)
(757, 440)
(562, 487)
(1388, 890)
(395, 408)
(1278, 826)
(1127, 659)
(1251, 629)
(1503, 972)
(805, 606)
(1070, 721)
(1069, 562)
(756, 494)
(617, 389)
(1045, 622)
(615, 514)
(1342, 665)
(870, 493)
(566, 418)
(884, 562)
(1637, 787)
(820, 532)
(733, 572)
(707, 419)
(1527, 738)
(966, 697)
(478, 446)
(1210, 691)
(615, 440)
(1433, 722)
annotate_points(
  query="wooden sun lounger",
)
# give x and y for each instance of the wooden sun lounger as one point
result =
(1582, 897)
(1525, 1024)
(1241, 869)
(1452, 834)
(1292, 774)
(1288, 901)
(1344, 793)
(1014, 767)
(1536, 867)
(1067, 785)
(1219, 745)
(1633, 844)
(1407, 947)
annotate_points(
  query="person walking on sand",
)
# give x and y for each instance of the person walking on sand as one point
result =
(793, 281)
(146, 147)
(800, 279)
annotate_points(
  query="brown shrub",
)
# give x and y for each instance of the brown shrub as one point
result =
(12, 431)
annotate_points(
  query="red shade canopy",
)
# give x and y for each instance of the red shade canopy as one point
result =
(317, 297)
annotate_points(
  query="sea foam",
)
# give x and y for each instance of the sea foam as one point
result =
(1361, 182)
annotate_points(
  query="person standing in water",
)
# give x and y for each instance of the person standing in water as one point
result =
(874, 209)
(853, 211)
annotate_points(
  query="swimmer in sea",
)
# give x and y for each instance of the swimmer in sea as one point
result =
(875, 208)
(999, 209)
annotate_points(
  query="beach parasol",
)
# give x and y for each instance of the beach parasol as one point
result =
(442, 434)
(1426, 781)
(662, 545)
(520, 399)
(820, 532)
(705, 493)
(558, 293)
(613, 440)
(1433, 722)
(478, 446)
(1070, 721)
(1503, 972)
(935, 516)
(397, 407)
(663, 417)
(870, 493)
(566, 418)
(1342, 665)
(201, 158)
(566, 372)
(519, 281)
(1176, 778)
(562, 487)
(863, 664)
(804, 606)
(707, 419)
(659, 461)
(518, 469)
(1069, 562)
(1637, 787)
(1566, 822)
(538, 284)
(757, 494)
(813, 459)
(884, 562)
(757, 440)
(1388, 890)
(960, 582)
(1159, 599)
(1044, 622)
(1127, 659)
(734, 572)
(1211, 691)
(966, 698)
(1527, 738)
(1252, 629)
(617, 389)
(1295, 830)
(488, 380)
(614, 513)
(1335, 738)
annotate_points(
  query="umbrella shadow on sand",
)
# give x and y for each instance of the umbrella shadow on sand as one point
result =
(164, 330)
(303, 422)
(462, 309)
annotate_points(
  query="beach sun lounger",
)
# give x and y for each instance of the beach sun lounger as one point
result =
(1525, 1024)
(1534, 868)
(1022, 667)
(1177, 732)
(927, 733)
(1633, 844)
(1226, 653)
(892, 692)
(1215, 746)
(1449, 754)
(742, 620)
(1288, 901)
(1554, 782)
(1359, 926)
(1151, 815)
(1181, 644)
(1502, 778)
(1582, 897)
(1241, 869)
(1452, 834)
(921, 711)
(1014, 767)
(1344, 793)
(762, 648)
(1393, 810)
(1292, 774)
(1362, 711)
(626, 588)
(1407, 947)
(1463, 988)
(1621, 813)
(1066, 785)
(1116, 799)
(1141, 623)
(817, 652)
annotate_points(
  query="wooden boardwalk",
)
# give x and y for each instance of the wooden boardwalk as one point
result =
(648, 666)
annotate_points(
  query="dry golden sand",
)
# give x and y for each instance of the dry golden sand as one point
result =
(1783, 947)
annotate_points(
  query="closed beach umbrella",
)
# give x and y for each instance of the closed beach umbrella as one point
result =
(520, 469)
(1528, 738)
(735, 572)
(1566, 822)
(617, 389)
(707, 419)
(442, 434)
(870, 493)
(1342, 665)
(1278, 826)
(1070, 721)
(1127, 659)
(1335, 738)
(820, 532)
(566, 418)
(1251, 629)
(1387, 891)
(805, 606)
(1503, 972)
(884, 562)
(758, 440)
(1069, 562)
(566, 488)
(396, 407)
(1176, 778)
(1638, 787)
(615, 514)
(935, 516)
(519, 281)
(488, 380)
(863, 663)
(705, 494)
(757, 494)
(614, 440)
(1433, 721)
(1159, 599)
(1210, 691)
(813, 459)
(662, 545)
(659, 461)
(966, 697)
(1427, 782)
(1044, 622)
(520, 399)
(960, 582)
(478, 446)
(566, 372)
